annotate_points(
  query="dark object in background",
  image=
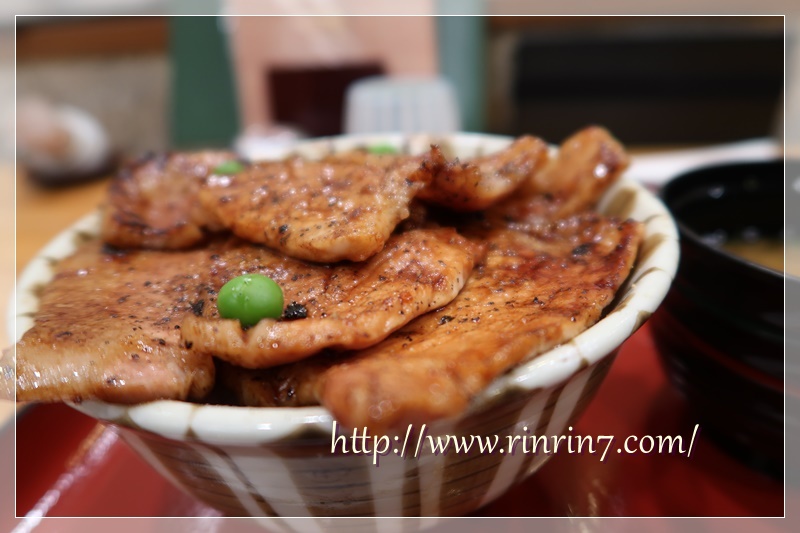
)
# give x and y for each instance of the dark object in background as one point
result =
(720, 330)
(312, 99)
(667, 87)
(792, 322)
(204, 110)
(56, 180)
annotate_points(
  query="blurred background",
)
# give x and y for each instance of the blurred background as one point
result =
(159, 82)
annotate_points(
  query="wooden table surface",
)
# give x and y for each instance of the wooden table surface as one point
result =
(43, 213)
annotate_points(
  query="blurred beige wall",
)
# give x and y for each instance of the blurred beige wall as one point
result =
(6, 95)
(625, 7)
(405, 45)
(330, 7)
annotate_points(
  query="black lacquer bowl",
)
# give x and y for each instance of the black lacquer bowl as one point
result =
(720, 331)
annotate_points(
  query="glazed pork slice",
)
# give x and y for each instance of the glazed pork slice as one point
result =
(587, 164)
(152, 203)
(480, 182)
(531, 293)
(323, 211)
(347, 306)
(106, 329)
(7, 374)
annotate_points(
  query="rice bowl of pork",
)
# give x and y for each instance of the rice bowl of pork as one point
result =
(295, 462)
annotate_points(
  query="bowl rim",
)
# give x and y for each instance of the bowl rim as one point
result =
(636, 300)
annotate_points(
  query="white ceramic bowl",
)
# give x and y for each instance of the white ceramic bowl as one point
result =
(278, 461)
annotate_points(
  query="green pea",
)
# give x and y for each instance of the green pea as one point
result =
(249, 298)
(229, 167)
(381, 149)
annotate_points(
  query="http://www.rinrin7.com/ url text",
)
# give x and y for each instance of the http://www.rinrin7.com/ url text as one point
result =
(416, 443)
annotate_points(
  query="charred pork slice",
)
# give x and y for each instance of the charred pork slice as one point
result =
(107, 326)
(532, 292)
(480, 182)
(152, 203)
(347, 306)
(316, 210)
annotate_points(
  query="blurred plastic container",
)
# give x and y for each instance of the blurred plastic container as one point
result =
(261, 142)
(400, 104)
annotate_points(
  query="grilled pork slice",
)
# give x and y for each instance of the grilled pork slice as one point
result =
(106, 329)
(317, 210)
(347, 306)
(7, 374)
(532, 292)
(480, 182)
(587, 164)
(152, 203)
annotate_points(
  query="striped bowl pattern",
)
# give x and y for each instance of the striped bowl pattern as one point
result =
(278, 462)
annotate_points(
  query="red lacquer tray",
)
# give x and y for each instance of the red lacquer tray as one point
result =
(69, 465)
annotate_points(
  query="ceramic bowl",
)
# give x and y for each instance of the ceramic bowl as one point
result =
(720, 331)
(277, 462)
